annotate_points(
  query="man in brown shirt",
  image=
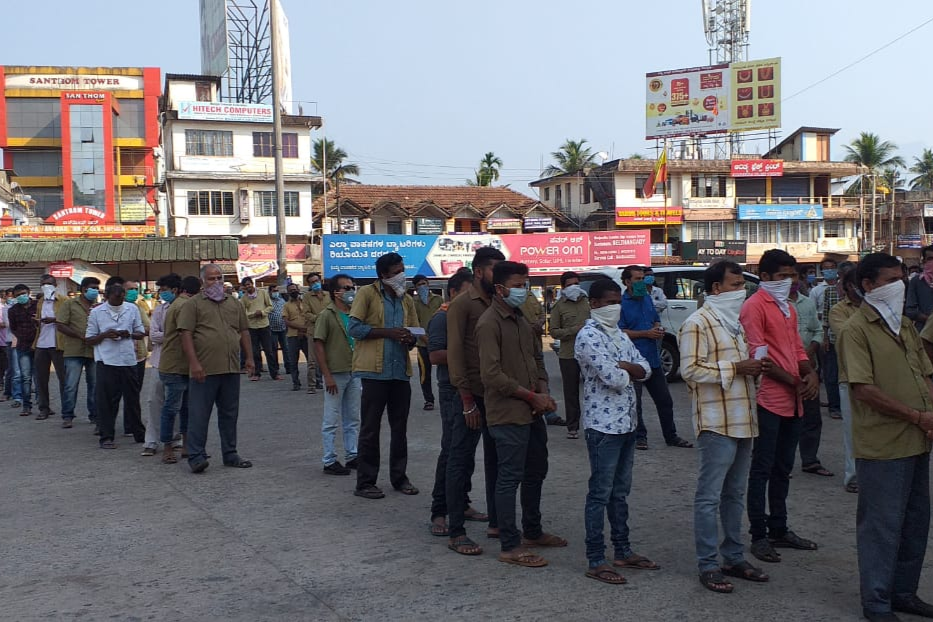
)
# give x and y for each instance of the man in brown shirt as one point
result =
(297, 337)
(463, 366)
(213, 328)
(315, 300)
(71, 322)
(513, 374)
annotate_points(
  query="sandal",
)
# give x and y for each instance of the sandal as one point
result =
(790, 540)
(679, 442)
(763, 550)
(369, 492)
(524, 558)
(473, 515)
(239, 463)
(546, 539)
(817, 469)
(108, 445)
(714, 581)
(464, 546)
(641, 444)
(573, 435)
(407, 489)
(493, 535)
(636, 562)
(746, 571)
(168, 457)
(606, 574)
(852, 487)
(439, 529)
(429, 405)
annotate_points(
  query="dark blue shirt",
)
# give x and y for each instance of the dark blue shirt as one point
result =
(394, 354)
(437, 340)
(640, 314)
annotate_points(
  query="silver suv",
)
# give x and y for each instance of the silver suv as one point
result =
(684, 288)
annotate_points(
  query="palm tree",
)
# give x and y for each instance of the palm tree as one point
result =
(325, 153)
(923, 168)
(571, 158)
(869, 151)
(487, 172)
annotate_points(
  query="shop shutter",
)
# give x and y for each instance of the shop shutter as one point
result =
(12, 275)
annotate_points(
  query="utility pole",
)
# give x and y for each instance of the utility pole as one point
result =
(277, 139)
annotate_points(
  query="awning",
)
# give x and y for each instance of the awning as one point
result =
(80, 270)
(116, 251)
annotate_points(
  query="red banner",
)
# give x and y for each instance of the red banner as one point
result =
(267, 252)
(649, 215)
(758, 168)
(554, 253)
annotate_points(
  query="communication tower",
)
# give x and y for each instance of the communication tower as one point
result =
(727, 24)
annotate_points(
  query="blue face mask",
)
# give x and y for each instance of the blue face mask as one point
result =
(131, 295)
(275, 295)
(811, 279)
(22, 299)
(316, 287)
(167, 296)
(348, 297)
(649, 280)
(516, 297)
(92, 294)
(423, 293)
(639, 289)
(830, 275)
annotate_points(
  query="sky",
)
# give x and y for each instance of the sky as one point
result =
(417, 91)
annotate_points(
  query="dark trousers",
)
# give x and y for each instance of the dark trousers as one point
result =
(661, 395)
(393, 397)
(424, 366)
(829, 369)
(811, 430)
(222, 390)
(460, 465)
(113, 383)
(892, 526)
(570, 378)
(522, 452)
(280, 342)
(45, 359)
(133, 408)
(300, 345)
(768, 480)
(450, 407)
(261, 338)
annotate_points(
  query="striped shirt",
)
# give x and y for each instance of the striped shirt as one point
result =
(722, 401)
(830, 300)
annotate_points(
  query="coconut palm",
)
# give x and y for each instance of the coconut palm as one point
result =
(876, 155)
(326, 153)
(487, 172)
(923, 169)
(571, 158)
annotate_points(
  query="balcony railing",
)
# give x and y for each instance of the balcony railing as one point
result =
(827, 202)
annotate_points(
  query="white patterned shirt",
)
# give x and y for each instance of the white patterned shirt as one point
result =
(608, 392)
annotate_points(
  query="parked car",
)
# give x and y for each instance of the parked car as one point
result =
(684, 288)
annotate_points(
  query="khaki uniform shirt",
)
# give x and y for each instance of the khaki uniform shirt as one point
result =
(216, 328)
(74, 315)
(294, 311)
(462, 354)
(510, 357)
(425, 313)
(839, 314)
(313, 305)
(871, 354)
(142, 345)
(173, 359)
(261, 303)
(567, 318)
(331, 331)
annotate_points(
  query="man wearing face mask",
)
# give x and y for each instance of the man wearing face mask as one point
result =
(838, 316)
(892, 427)
(258, 306)
(426, 305)
(516, 383)
(610, 363)
(169, 286)
(293, 314)
(770, 324)
(316, 299)
(133, 297)
(829, 296)
(23, 326)
(278, 328)
(569, 314)
(657, 294)
(642, 324)
(806, 279)
(378, 323)
(71, 322)
(48, 345)
(720, 373)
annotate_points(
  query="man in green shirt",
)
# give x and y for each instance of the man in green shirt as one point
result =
(568, 315)
(71, 323)
(426, 305)
(892, 425)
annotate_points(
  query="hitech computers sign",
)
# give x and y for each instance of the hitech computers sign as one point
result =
(218, 111)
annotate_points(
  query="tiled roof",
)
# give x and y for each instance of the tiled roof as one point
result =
(412, 199)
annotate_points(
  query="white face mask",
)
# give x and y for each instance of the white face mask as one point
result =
(888, 301)
(397, 283)
(607, 317)
(779, 290)
(48, 291)
(726, 306)
(573, 292)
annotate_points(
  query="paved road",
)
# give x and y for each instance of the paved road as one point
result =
(92, 535)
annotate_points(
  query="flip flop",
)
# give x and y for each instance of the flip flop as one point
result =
(714, 581)
(817, 469)
(746, 571)
(636, 562)
(407, 489)
(473, 515)
(438, 530)
(606, 574)
(464, 546)
(524, 558)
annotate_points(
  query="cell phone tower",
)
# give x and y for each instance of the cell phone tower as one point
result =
(727, 24)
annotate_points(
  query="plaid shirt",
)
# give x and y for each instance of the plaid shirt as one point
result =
(276, 323)
(23, 325)
(830, 299)
(722, 401)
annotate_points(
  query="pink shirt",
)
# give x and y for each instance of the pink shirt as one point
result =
(765, 325)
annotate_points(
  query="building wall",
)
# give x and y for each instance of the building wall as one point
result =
(242, 160)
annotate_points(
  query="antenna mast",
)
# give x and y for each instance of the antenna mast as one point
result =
(727, 24)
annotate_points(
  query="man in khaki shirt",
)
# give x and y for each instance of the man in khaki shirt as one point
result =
(426, 305)
(258, 306)
(513, 374)
(297, 337)
(889, 375)
(71, 323)
(315, 300)
(568, 315)
(213, 328)
(142, 345)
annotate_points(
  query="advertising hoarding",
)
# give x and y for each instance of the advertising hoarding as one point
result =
(213, 37)
(755, 95)
(805, 211)
(649, 215)
(684, 102)
(442, 255)
(705, 251)
(757, 168)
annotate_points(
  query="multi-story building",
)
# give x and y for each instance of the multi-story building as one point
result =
(220, 172)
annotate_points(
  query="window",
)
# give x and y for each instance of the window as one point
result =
(712, 230)
(202, 91)
(756, 232)
(394, 227)
(131, 122)
(799, 230)
(547, 193)
(708, 186)
(86, 123)
(48, 200)
(264, 145)
(687, 288)
(659, 189)
(210, 203)
(37, 163)
(264, 203)
(567, 196)
(834, 228)
(34, 117)
(209, 143)
(584, 194)
(557, 197)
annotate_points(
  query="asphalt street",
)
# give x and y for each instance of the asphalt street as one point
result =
(88, 534)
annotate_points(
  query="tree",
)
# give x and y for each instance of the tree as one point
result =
(869, 151)
(325, 153)
(571, 158)
(487, 172)
(923, 169)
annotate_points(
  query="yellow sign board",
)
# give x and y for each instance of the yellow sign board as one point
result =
(755, 95)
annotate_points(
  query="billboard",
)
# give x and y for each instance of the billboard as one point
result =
(776, 211)
(684, 102)
(649, 215)
(213, 37)
(756, 95)
(442, 255)
(219, 111)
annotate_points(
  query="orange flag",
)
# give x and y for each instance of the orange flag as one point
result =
(658, 176)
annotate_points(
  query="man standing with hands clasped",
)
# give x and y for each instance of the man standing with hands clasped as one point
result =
(567, 317)
(889, 375)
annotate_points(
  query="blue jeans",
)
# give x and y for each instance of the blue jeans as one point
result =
(175, 402)
(892, 525)
(222, 390)
(830, 374)
(522, 454)
(611, 459)
(73, 367)
(342, 408)
(773, 456)
(25, 359)
(845, 407)
(12, 380)
(721, 484)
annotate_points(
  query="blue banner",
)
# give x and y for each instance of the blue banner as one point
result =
(356, 255)
(776, 211)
